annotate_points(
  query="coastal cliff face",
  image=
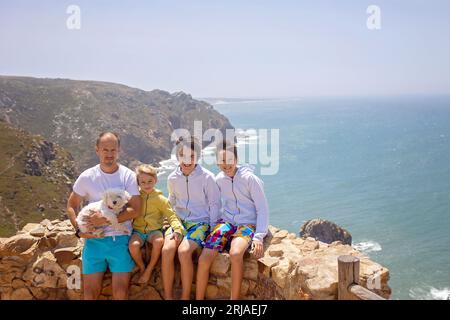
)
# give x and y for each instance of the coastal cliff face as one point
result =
(72, 113)
(38, 262)
(36, 176)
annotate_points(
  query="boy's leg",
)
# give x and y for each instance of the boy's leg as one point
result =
(134, 246)
(185, 250)
(204, 264)
(238, 247)
(213, 244)
(168, 265)
(157, 241)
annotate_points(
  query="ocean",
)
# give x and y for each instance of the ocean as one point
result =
(379, 167)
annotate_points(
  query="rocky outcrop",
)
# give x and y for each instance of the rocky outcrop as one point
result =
(325, 231)
(36, 177)
(72, 113)
(42, 261)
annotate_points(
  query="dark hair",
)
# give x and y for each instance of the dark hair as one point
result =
(190, 142)
(101, 135)
(226, 145)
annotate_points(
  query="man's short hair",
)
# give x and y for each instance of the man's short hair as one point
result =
(101, 135)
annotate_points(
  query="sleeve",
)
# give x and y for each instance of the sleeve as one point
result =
(213, 199)
(80, 185)
(262, 207)
(170, 189)
(131, 185)
(168, 213)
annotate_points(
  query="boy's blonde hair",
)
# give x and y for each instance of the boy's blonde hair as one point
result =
(147, 169)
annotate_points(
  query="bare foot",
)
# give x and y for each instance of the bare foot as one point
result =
(145, 276)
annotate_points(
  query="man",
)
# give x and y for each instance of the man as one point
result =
(110, 250)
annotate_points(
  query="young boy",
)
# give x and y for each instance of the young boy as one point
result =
(244, 220)
(148, 226)
(196, 199)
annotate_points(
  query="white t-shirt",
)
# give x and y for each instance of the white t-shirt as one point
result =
(93, 182)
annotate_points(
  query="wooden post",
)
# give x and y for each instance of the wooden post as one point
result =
(348, 274)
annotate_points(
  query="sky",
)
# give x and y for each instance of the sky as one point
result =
(234, 48)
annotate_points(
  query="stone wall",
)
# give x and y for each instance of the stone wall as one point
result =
(38, 261)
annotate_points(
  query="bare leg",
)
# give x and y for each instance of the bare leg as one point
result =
(237, 250)
(157, 242)
(120, 284)
(185, 250)
(205, 261)
(92, 285)
(168, 266)
(134, 246)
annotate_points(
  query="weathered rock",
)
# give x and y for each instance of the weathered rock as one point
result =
(65, 255)
(29, 226)
(325, 231)
(66, 239)
(276, 250)
(17, 244)
(46, 273)
(221, 264)
(291, 268)
(38, 231)
(144, 293)
(21, 294)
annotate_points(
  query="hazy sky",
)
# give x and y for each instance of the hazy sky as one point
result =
(227, 48)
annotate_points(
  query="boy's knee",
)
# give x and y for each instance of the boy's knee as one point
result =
(184, 253)
(158, 242)
(236, 255)
(134, 245)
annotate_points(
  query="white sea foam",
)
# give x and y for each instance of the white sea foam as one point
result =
(167, 165)
(429, 293)
(367, 246)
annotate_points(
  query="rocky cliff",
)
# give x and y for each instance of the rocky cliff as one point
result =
(38, 262)
(73, 113)
(35, 179)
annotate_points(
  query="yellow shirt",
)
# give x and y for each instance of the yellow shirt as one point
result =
(155, 207)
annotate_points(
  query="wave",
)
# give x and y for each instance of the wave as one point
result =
(429, 293)
(367, 246)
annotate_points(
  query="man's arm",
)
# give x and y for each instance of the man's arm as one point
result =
(73, 205)
(132, 211)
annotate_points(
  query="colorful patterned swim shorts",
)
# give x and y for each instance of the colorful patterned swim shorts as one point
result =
(195, 231)
(220, 237)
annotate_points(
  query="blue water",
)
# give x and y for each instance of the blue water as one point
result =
(379, 167)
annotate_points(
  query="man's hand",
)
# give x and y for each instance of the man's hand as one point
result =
(90, 235)
(96, 219)
(257, 249)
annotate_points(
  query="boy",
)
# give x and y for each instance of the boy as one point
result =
(244, 221)
(148, 226)
(195, 197)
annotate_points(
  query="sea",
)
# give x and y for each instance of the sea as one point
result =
(377, 166)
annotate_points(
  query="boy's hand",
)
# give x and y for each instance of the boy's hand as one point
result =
(177, 236)
(257, 249)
